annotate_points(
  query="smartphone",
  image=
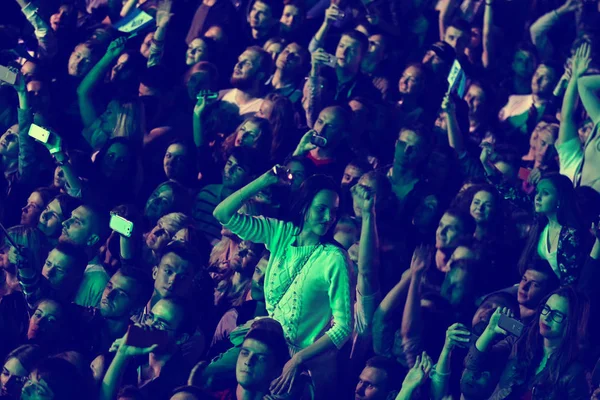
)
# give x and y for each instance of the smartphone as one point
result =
(511, 325)
(208, 95)
(283, 173)
(121, 225)
(318, 140)
(331, 60)
(139, 337)
(38, 133)
(7, 75)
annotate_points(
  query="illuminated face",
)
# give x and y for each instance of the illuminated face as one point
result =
(196, 52)
(372, 385)
(145, 46)
(9, 142)
(60, 19)
(174, 161)
(173, 276)
(482, 206)
(80, 228)
(322, 213)
(523, 64)
(247, 135)
(118, 297)
(554, 319)
(542, 82)
(261, 19)
(246, 69)
(30, 214)
(348, 53)
(457, 39)
(80, 61)
(12, 378)
(45, 321)
(532, 288)
(290, 58)
(449, 232)
(255, 365)
(411, 81)
(234, 174)
(546, 198)
(291, 19)
(159, 203)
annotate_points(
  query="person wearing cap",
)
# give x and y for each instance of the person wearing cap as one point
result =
(439, 58)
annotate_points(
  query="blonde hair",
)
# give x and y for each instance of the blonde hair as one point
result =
(174, 222)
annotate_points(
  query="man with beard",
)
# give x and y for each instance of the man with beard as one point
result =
(56, 212)
(248, 79)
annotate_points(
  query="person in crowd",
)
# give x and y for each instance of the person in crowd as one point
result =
(54, 378)
(291, 66)
(15, 371)
(537, 282)
(377, 381)
(56, 212)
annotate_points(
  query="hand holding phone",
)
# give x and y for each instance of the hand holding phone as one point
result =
(283, 173)
(121, 225)
(511, 325)
(318, 140)
(145, 337)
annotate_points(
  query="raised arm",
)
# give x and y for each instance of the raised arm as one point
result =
(332, 14)
(446, 8)
(487, 36)
(416, 377)
(457, 335)
(47, 44)
(368, 253)
(540, 28)
(27, 159)
(128, 6)
(411, 318)
(568, 123)
(163, 17)
(455, 136)
(88, 111)
(198, 125)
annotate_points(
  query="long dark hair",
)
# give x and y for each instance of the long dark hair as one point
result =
(529, 348)
(284, 129)
(309, 189)
(497, 217)
(567, 215)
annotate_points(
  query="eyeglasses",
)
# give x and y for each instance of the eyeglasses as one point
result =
(555, 316)
(150, 320)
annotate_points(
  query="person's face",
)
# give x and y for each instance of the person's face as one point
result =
(348, 53)
(51, 219)
(376, 52)
(159, 202)
(121, 72)
(523, 64)
(546, 198)
(365, 184)
(329, 125)
(257, 290)
(322, 213)
(410, 149)
(247, 135)
(274, 49)
(80, 228)
(351, 176)
(245, 258)
(58, 270)
(158, 237)
(449, 232)
(12, 379)
(118, 298)
(261, 17)
(36, 388)
(298, 175)
(255, 365)
(265, 110)
(183, 396)
(246, 69)
(475, 98)
(544, 150)
(291, 18)
(61, 18)
(553, 325)
(9, 142)
(482, 206)
(432, 59)
(411, 81)
(115, 161)
(457, 39)
(289, 59)
(30, 214)
(532, 288)
(542, 82)
(59, 180)
(145, 47)
(174, 161)
(80, 61)
(166, 316)
(173, 276)
(372, 385)
(38, 94)
(196, 52)
(29, 69)
(44, 324)
(234, 175)
(181, 236)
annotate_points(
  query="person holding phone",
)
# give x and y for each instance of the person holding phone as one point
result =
(306, 270)
(543, 362)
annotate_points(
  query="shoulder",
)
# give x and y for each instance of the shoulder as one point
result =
(335, 254)
(210, 190)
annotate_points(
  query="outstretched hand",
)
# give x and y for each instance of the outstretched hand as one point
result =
(121, 347)
(285, 382)
(493, 326)
(419, 373)
(116, 47)
(163, 13)
(581, 60)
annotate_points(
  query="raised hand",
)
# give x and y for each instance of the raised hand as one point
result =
(457, 335)
(421, 259)
(319, 57)
(305, 145)
(419, 373)
(54, 143)
(163, 13)
(333, 13)
(581, 60)
(127, 350)
(495, 319)
(116, 47)
(486, 152)
(200, 106)
(570, 6)
(365, 197)
(448, 105)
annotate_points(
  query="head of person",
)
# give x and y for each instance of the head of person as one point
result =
(477, 100)
(537, 281)
(262, 356)
(555, 195)
(174, 316)
(373, 183)
(127, 291)
(377, 51)
(117, 159)
(458, 35)
(254, 132)
(264, 15)
(484, 312)
(128, 68)
(164, 230)
(17, 366)
(240, 167)
(83, 58)
(439, 58)
(506, 159)
(252, 69)
(378, 381)
(55, 213)
(146, 43)
(64, 19)
(458, 287)
(544, 80)
(484, 205)
(333, 123)
(179, 162)
(193, 238)
(257, 290)
(455, 227)
(32, 243)
(189, 393)
(86, 227)
(175, 272)
(524, 62)
(427, 214)
(412, 147)
(347, 232)
(279, 111)
(47, 322)
(412, 81)
(292, 17)
(39, 94)
(300, 168)
(202, 76)
(585, 129)
(350, 51)
(53, 379)
(167, 198)
(543, 138)
(353, 171)
(36, 203)
(199, 49)
(293, 61)
(274, 46)
(9, 143)
(64, 267)
(246, 257)
(316, 207)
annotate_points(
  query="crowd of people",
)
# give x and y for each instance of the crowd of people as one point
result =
(300, 199)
